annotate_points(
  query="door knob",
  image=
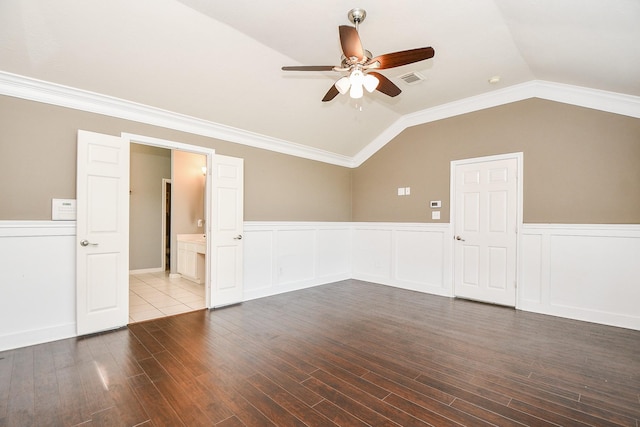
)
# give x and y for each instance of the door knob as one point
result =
(238, 237)
(460, 238)
(85, 242)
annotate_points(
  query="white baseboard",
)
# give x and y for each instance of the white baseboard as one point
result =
(146, 270)
(37, 336)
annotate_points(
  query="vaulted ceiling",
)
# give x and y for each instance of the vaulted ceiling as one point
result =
(220, 61)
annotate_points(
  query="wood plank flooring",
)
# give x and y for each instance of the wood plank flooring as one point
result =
(350, 353)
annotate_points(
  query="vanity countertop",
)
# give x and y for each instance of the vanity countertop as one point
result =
(191, 238)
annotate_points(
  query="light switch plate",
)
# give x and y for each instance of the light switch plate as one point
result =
(400, 191)
(407, 191)
(435, 215)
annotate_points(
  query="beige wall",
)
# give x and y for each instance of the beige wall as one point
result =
(580, 165)
(187, 192)
(149, 165)
(187, 197)
(38, 163)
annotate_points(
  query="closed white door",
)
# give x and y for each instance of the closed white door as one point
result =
(102, 257)
(485, 230)
(227, 205)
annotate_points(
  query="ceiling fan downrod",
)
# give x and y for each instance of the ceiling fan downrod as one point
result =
(356, 16)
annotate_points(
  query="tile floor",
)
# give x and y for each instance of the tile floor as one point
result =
(153, 295)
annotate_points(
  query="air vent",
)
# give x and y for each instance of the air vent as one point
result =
(412, 78)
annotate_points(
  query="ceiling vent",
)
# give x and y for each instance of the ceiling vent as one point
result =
(412, 78)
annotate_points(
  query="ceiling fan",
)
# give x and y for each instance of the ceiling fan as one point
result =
(359, 63)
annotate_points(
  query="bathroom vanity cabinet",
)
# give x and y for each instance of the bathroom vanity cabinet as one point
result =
(191, 256)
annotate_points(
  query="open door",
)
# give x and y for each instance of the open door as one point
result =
(102, 257)
(227, 204)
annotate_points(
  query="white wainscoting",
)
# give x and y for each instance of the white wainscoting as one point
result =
(37, 282)
(286, 256)
(584, 272)
(409, 256)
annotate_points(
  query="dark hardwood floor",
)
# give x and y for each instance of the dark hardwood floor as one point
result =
(349, 353)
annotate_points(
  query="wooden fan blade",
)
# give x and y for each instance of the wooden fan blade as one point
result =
(332, 93)
(350, 41)
(309, 68)
(404, 57)
(386, 86)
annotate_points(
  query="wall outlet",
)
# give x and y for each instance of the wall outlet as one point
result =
(200, 223)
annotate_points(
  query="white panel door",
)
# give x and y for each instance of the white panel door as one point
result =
(485, 230)
(227, 204)
(102, 257)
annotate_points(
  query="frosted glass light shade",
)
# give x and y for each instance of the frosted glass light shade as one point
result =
(343, 85)
(356, 91)
(356, 78)
(355, 83)
(370, 83)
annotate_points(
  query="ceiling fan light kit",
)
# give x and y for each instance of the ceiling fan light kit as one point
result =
(359, 63)
(355, 82)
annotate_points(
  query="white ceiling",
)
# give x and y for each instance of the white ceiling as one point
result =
(220, 60)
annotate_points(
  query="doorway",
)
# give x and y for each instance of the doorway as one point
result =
(102, 226)
(486, 211)
(167, 199)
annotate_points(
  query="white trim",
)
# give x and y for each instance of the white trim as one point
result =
(37, 228)
(413, 256)
(618, 230)
(38, 287)
(37, 336)
(611, 102)
(286, 256)
(145, 271)
(50, 246)
(83, 100)
(65, 96)
(163, 231)
(582, 271)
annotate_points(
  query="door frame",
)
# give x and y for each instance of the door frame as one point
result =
(196, 149)
(519, 156)
(163, 248)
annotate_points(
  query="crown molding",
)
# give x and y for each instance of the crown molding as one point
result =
(64, 96)
(575, 95)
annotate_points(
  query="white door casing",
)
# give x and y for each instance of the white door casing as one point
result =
(227, 205)
(486, 216)
(102, 257)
